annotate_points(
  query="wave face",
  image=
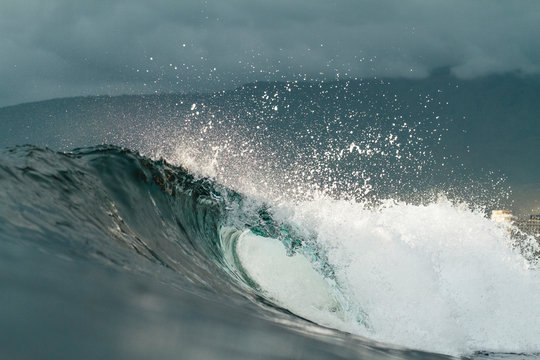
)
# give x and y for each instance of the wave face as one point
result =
(103, 226)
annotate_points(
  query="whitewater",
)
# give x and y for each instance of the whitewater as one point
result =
(439, 277)
(272, 235)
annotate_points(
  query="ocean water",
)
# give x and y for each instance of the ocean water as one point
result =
(279, 220)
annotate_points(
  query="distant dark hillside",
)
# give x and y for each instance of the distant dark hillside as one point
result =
(489, 124)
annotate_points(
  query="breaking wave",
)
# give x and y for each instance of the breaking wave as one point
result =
(437, 276)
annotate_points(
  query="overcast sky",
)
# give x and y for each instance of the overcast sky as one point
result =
(58, 48)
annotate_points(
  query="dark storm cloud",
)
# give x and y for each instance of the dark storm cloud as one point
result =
(61, 48)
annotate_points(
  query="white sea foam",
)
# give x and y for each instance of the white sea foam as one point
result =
(437, 277)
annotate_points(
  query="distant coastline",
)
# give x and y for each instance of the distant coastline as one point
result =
(527, 224)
